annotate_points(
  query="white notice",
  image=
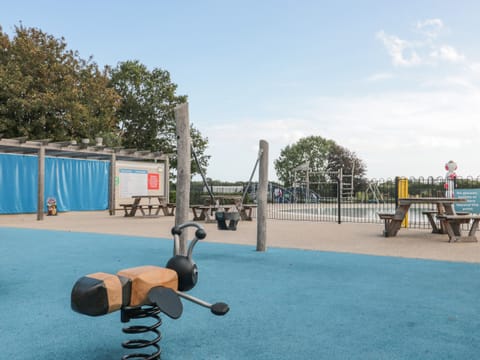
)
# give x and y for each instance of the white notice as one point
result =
(133, 182)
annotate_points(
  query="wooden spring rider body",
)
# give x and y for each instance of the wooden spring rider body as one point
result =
(144, 292)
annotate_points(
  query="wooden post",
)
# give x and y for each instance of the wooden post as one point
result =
(41, 182)
(112, 188)
(262, 197)
(339, 195)
(166, 178)
(183, 173)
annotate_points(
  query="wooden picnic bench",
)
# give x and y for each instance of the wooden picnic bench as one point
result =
(131, 209)
(394, 222)
(150, 209)
(432, 215)
(387, 218)
(245, 211)
(169, 209)
(453, 226)
(205, 212)
(199, 212)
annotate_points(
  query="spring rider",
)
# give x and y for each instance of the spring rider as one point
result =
(144, 292)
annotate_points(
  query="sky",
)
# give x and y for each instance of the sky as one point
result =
(396, 82)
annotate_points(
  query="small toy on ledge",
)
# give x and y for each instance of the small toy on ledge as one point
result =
(51, 206)
(144, 292)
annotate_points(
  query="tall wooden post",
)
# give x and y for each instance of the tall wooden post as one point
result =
(41, 183)
(166, 178)
(262, 197)
(183, 173)
(113, 171)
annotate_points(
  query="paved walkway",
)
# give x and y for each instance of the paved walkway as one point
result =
(357, 238)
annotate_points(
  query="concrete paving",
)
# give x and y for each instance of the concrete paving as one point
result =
(357, 238)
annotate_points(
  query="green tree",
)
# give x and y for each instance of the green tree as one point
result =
(146, 115)
(320, 155)
(340, 157)
(48, 91)
(311, 151)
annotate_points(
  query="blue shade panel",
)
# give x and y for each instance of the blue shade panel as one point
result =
(18, 184)
(75, 184)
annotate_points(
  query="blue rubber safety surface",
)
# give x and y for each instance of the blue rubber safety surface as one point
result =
(285, 304)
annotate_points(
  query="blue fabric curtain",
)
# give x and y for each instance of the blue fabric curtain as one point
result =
(18, 184)
(75, 184)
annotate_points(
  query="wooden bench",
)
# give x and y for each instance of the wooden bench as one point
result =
(387, 218)
(199, 212)
(149, 210)
(453, 223)
(203, 213)
(130, 209)
(245, 211)
(152, 207)
(437, 229)
(206, 213)
(169, 209)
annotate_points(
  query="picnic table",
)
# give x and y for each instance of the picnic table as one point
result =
(445, 206)
(206, 212)
(149, 206)
(222, 203)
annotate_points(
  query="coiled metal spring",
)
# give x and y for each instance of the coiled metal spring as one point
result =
(147, 311)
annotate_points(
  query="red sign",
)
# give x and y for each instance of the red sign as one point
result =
(153, 182)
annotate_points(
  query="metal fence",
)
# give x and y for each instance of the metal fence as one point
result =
(327, 201)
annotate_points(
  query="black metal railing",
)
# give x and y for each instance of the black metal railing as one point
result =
(326, 201)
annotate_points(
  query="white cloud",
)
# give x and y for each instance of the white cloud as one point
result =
(430, 27)
(425, 50)
(380, 77)
(447, 53)
(234, 145)
(458, 83)
(396, 133)
(401, 51)
(475, 67)
(411, 133)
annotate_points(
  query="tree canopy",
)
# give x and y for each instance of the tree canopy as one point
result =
(319, 155)
(49, 92)
(146, 114)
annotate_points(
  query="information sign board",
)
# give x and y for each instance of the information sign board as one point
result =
(472, 205)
